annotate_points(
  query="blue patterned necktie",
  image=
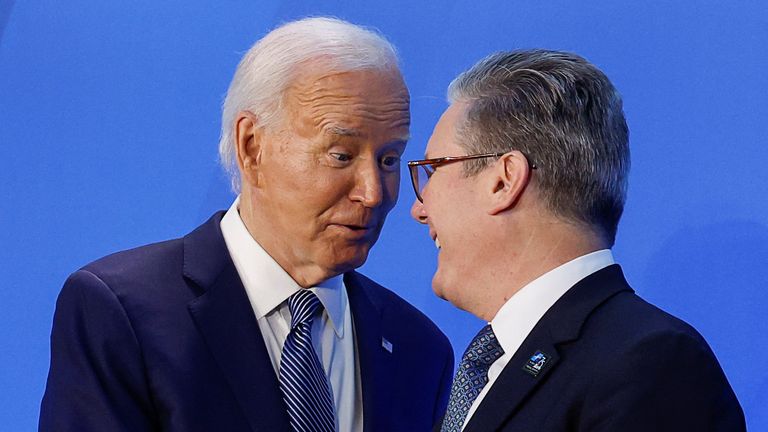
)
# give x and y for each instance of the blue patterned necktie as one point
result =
(306, 390)
(471, 377)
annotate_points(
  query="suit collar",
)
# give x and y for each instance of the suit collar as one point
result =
(205, 253)
(561, 324)
(520, 314)
(226, 322)
(567, 316)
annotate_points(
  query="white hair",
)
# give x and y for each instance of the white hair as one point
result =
(273, 62)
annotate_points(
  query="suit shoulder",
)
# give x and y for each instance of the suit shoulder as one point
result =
(137, 275)
(634, 354)
(148, 259)
(628, 325)
(646, 318)
(154, 261)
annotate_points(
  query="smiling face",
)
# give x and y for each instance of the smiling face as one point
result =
(317, 189)
(454, 214)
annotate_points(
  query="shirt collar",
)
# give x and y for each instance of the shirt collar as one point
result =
(266, 283)
(333, 296)
(517, 317)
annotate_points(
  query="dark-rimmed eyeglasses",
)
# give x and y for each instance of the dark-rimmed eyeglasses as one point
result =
(420, 177)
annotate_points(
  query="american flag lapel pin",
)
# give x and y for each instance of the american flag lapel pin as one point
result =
(387, 345)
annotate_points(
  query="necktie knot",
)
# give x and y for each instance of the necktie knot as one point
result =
(303, 305)
(484, 348)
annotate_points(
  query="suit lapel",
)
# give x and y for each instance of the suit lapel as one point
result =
(513, 385)
(375, 361)
(562, 323)
(223, 315)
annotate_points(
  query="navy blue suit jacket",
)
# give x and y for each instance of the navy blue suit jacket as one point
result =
(614, 363)
(163, 337)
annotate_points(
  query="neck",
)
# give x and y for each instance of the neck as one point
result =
(522, 258)
(306, 275)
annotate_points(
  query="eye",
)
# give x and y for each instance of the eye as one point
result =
(341, 157)
(390, 162)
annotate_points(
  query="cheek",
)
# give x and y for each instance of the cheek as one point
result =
(326, 184)
(390, 191)
(338, 253)
(457, 243)
(312, 196)
(392, 184)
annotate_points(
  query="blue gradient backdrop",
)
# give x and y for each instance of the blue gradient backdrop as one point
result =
(109, 120)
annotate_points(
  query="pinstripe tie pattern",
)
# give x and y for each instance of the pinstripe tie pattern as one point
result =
(471, 377)
(306, 390)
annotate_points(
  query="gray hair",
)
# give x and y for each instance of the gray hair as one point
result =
(272, 63)
(564, 114)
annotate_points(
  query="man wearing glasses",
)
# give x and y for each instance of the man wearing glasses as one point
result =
(257, 321)
(522, 192)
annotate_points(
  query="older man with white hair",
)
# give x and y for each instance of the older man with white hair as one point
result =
(257, 320)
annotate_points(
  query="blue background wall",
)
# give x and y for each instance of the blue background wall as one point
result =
(109, 119)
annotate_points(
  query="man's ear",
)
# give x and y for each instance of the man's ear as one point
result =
(248, 135)
(508, 178)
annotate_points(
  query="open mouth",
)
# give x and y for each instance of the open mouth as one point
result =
(435, 239)
(357, 227)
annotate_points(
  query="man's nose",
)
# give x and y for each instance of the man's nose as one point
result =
(369, 187)
(418, 213)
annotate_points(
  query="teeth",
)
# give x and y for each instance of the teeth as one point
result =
(437, 242)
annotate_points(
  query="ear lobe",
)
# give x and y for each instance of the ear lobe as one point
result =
(509, 178)
(248, 139)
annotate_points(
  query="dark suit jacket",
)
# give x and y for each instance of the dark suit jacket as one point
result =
(163, 337)
(615, 363)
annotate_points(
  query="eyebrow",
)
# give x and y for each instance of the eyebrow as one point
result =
(352, 132)
(342, 131)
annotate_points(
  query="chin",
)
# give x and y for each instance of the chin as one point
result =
(444, 289)
(439, 294)
(437, 288)
(343, 264)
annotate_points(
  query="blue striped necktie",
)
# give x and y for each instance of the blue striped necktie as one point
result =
(471, 377)
(306, 390)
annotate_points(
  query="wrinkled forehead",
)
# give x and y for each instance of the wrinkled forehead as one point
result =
(344, 101)
(319, 78)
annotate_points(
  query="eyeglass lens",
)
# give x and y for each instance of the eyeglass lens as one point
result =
(424, 172)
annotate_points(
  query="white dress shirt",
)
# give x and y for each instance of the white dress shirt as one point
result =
(520, 314)
(268, 287)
